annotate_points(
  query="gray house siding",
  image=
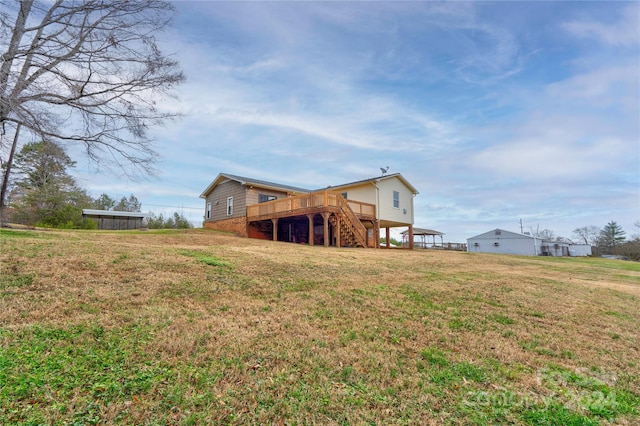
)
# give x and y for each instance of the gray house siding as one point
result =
(253, 195)
(242, 197)
(218, 199)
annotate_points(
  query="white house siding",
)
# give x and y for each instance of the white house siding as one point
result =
(504, 242)
(364, 193)
(386, 212)
(380, 193)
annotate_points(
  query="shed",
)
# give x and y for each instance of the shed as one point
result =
(116, 220)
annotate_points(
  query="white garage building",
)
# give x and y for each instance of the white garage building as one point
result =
(507, 242)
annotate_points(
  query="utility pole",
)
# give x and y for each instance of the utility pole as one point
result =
(521, 230)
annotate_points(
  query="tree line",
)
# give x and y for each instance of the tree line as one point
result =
(43, 193)
(609, 240)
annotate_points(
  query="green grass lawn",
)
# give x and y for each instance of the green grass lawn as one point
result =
(199, 327)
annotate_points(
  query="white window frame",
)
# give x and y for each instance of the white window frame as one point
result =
(229, 206)
(208, 212)
(396, 199)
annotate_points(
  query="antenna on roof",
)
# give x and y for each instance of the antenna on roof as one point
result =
(383, 170)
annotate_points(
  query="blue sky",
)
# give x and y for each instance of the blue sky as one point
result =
(495, 111)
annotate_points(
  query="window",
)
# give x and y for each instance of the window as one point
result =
(208, 214)
(229, 206)
(263, 198)
(344, 195)
(396, 200)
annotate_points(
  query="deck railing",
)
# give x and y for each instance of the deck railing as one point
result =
(312, 200)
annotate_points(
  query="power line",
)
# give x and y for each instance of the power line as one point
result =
(173, 207)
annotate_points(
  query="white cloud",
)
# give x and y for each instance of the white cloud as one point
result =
(313, 94)
(608, 85)
(623, 32)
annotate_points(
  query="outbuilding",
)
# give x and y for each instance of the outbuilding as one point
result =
(505, 242)
(115, 220)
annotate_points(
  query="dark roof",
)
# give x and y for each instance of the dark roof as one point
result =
(423, 231)
(113, 213)
(252, 182)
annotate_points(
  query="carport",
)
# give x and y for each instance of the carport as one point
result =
(424, 234)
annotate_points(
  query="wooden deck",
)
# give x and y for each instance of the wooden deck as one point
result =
(343, 221)
(314, 202)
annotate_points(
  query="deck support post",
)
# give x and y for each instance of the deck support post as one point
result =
(411, 237)
(274, 221)
(325, 218)
(311, 229)
(388, 237)
(337, 231)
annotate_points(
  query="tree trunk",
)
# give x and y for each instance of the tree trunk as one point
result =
(7, 172)
(9, 56)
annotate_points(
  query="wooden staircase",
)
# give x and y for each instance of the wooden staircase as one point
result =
(352, 232)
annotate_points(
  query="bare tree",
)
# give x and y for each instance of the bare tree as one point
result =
(88, 72)
(587, 234)
(545, 234)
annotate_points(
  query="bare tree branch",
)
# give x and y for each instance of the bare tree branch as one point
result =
(87, 72)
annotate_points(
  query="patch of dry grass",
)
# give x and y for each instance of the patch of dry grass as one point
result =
(202, 327)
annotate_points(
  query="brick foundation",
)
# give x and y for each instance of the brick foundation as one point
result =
(236, 225)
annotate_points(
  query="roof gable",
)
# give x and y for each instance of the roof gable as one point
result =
(503, 234)
(374, 180)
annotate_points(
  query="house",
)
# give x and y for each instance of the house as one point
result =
(351, 214)
(507, 242)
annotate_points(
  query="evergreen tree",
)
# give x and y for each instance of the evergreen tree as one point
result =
(178, 221)
(104, 202)
(130, 204)
(45, 193)
(611, 236)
